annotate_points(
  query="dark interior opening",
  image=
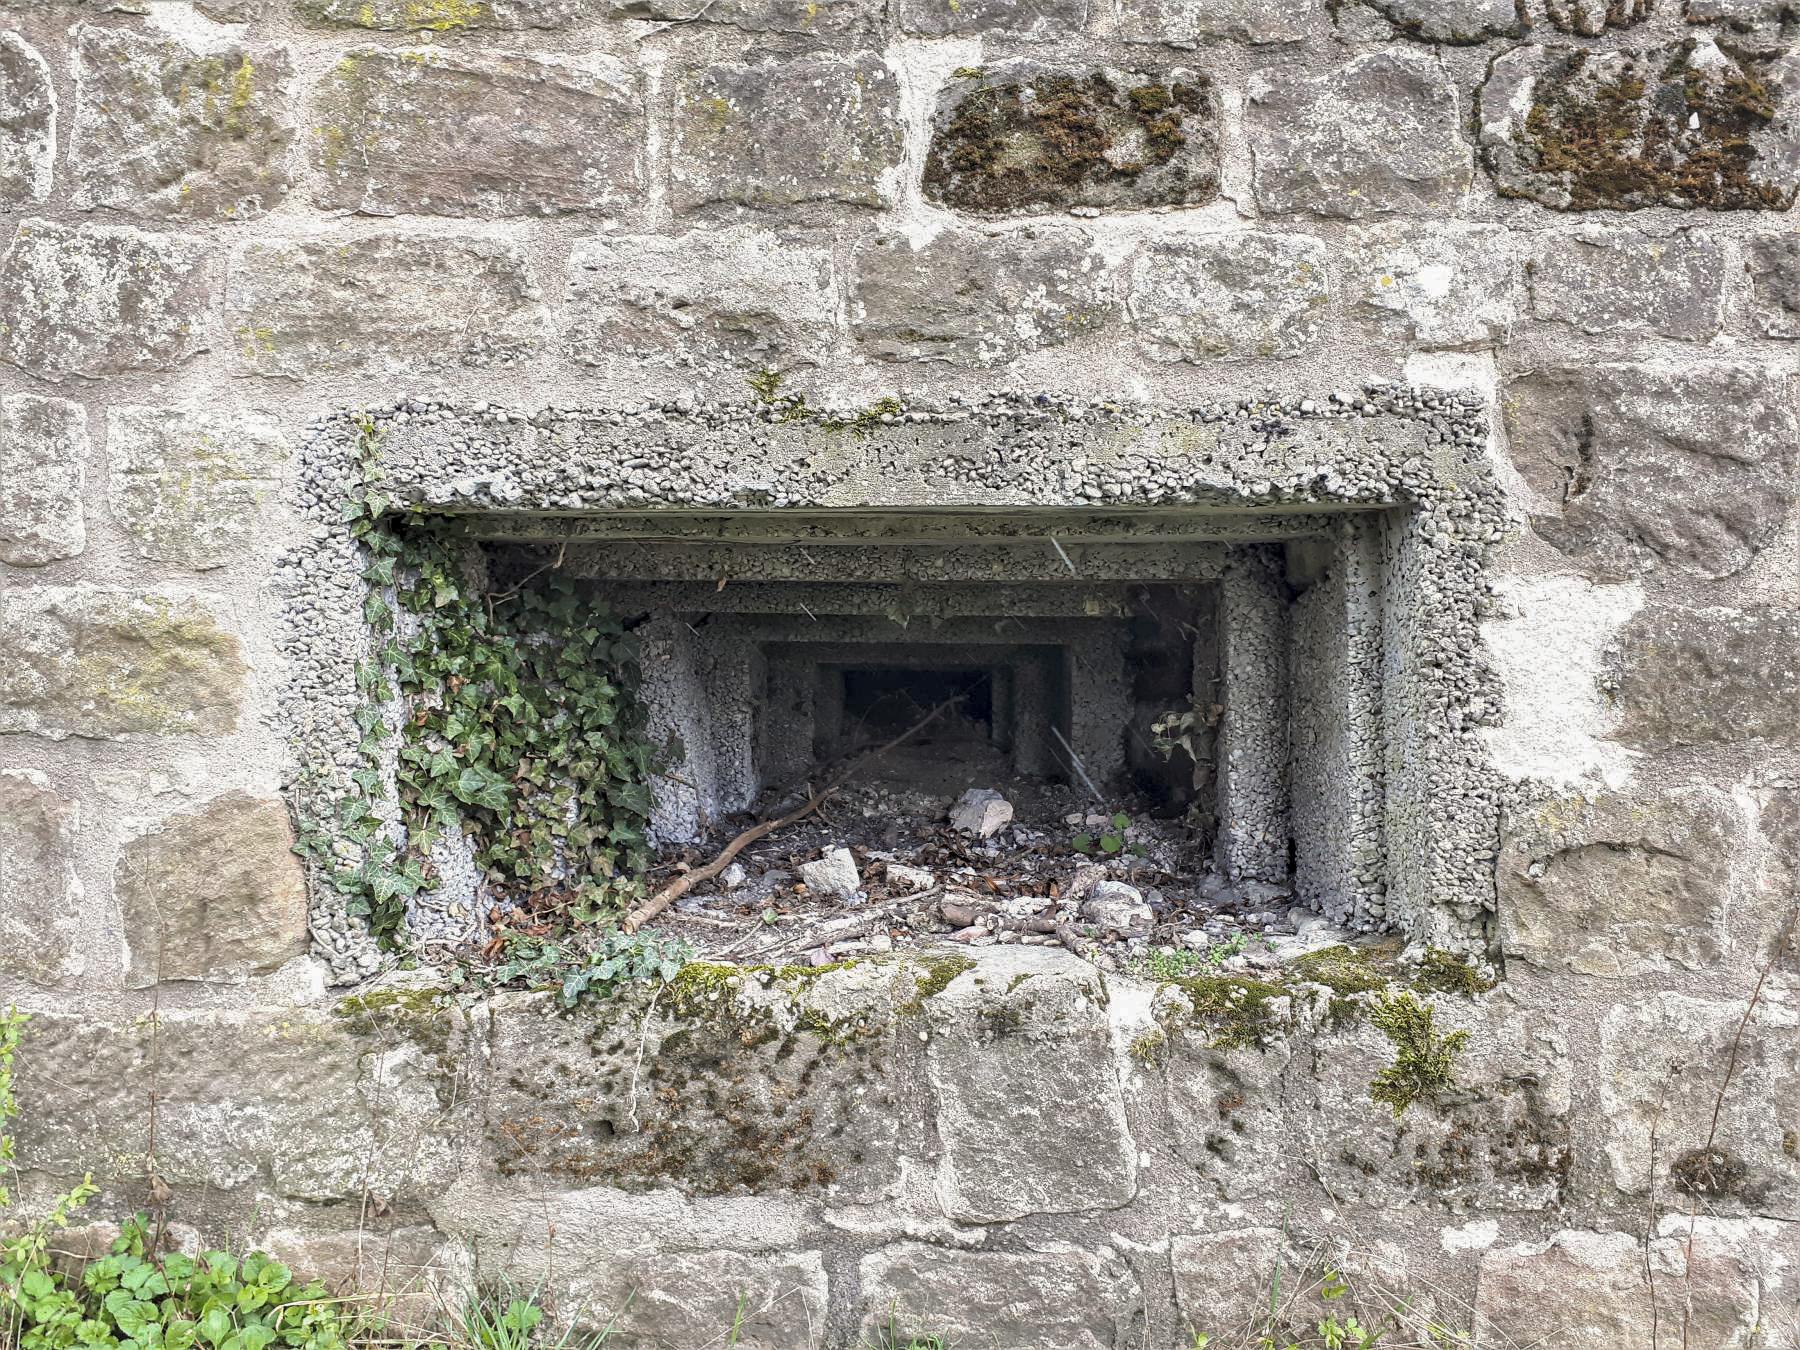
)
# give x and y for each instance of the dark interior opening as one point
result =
(884, 701)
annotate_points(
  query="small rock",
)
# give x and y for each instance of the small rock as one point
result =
(1087, 876)
(833, 874)
(981, 812)
(1116, 905)
(734, 876)
(910, 878)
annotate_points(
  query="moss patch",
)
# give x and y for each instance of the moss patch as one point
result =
(1424, 1058)
(1443, 972)
(1239, 1013)
(1345, 971)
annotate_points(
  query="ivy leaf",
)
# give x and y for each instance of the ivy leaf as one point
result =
(477, 786)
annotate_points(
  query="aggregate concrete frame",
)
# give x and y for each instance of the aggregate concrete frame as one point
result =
(1418, 457)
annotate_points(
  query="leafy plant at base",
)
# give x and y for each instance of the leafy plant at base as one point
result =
(1108, 842)
(1424, 1059)
(594, 967)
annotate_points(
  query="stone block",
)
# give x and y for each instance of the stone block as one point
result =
(1700, 676)
(1195, 23)
(1023, 1131)
(188, 484)
(1226, 1109)
(170, 130)
(442, 16)
(361, 1102)
(1690, 124)
(1620, 885)
(27, 125)
(478, 134)
(1691, 469)
(738, 299)
(1624, 281)
(1453, 21)
(1024, 19)
(100, 300)
(1199, 297)
(1592, 1290)
(825, 18)
(1773, 263)
(213, 894)
(1222, 1279)
(1436, 286)
(1721, 1094)
(40, 921)
(1020, 136)
(1053, 1300)
(968, 297)
(740, 1085)
(101, 662)
(1761, 17)
(785, 130)
(1380, 134)
(408, 1272)
(389, 303)
(43, 453)
(771, 1301)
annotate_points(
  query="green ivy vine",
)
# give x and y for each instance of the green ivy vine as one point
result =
(517, 724)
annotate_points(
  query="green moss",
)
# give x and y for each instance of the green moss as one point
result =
(932, 976)
(1443, 972)
(1346, 972)
(1240, 1013)
(1424, 1059)
(1148, 1048)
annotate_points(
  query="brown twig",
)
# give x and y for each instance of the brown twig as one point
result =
(682, 884)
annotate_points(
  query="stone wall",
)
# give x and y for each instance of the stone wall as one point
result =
(227, 221)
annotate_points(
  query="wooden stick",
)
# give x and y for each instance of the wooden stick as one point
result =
(682, 884)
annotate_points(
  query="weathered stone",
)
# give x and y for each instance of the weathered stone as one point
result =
(767, 1301)
(87, 661)
(1022, 136)
(96, 300)
(1193, 23)
(478, 134)
(1720, 1094)
(728, 1084)
(1683, 125)
(1199, 297)
(1591, 18)
(381, 303)
(1777, 880)
(1379, 134)
(1619, 886)
(1621, 281)
(1773, 263)
(365, 1099)
(231, 11)
(821, 17)
(40, 919)
(1058, 1300)
(43, 451)
(1222, 1279)
(1225, 1109)
(442, 16)
(971, 298)
(406, 1272)
(1020, 18)
(1453, 21)
(743, 299)
(832, 873)
(982, 812)
(1695, 676)
(189, 484)
(170, 130)
(781, 131)
(213, 894)
(1023, 1132)
(27, 125)
(1691, 469)
(1436, 286)
(1591, 1290)
(1744, 16)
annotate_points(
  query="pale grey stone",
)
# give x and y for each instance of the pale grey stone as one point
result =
(1036, 20)
(1691, 468)
(970, 297)
(43, 456)
(1453, 21)
(93, 661)
(176, 131)
(738, 298)
(1222, 1279)
(834, 873)
(410, 1275)
(381, 304)
(764, 1300)
(1193, 23)
(982, 812)
(1119, 906)
(782, 131)
(1023, 136)
(212, 894)
(27, 125)
(1024, 1132)
(1590, 18)
(1380, 134)
(1752, 16)
(834, 18)
(98, 300)
(1623, 281)
(1773, 262)
(1226, 1111)
(1057, 1300)
(1201, 297)
(188, 484)
(1435, 286)
(464, 133)
(40, 919)
(1619, 885)
(442, 16)
(1701, 676)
